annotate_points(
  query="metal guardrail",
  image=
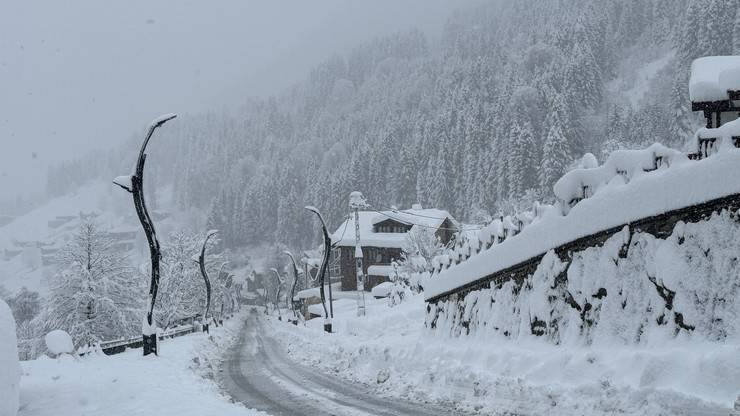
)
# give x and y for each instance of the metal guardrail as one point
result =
(120, 345)
(117, 346)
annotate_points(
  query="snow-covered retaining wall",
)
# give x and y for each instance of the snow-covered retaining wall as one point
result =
(647, 200)
(635, 288)
(10, 370)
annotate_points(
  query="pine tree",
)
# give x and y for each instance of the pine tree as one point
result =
(96, 296)
(556, 156)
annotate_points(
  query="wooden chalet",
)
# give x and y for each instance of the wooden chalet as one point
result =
(382, 235)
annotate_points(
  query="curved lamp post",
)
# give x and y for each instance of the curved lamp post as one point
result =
(328, 315)
(134, 184)
(223, 290)
(202, 264)
(277, 295)
(292, 288)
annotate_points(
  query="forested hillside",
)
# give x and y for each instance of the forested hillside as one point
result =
(486, 118)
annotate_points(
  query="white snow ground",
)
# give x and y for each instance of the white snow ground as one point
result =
(178, 382)
(531, 377)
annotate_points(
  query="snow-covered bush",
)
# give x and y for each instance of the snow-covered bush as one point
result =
(10, 370)
(59, 342)
(420, 246)
(181, 288)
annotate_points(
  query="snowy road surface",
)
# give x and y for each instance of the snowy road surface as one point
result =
(258, 373)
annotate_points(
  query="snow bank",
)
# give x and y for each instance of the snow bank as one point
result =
(10, 372)
(676, 184)
(382, 290)
(59, 342)
(713, 76)
(491, 374)
(180, 381)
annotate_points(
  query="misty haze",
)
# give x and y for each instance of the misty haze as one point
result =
(345, 207)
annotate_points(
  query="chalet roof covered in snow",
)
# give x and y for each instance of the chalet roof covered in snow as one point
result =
(345, 234)
(712, 77)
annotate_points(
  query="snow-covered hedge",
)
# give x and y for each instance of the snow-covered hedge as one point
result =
(688, 284)
(10, 370)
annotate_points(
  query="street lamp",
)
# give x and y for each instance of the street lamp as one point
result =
(223, 289)
(277, 295)
(328, 315)
(201, 263)
(134, 184)
(292, 289)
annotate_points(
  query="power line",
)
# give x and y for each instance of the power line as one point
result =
(346, 223)
(427, 226)
(396, 210)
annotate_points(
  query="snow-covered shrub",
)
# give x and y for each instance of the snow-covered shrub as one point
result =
(181, 287)
(59, 342)
(10, 370)
(420, 246)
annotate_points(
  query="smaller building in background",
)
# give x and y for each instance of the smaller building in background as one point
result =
(382, 236)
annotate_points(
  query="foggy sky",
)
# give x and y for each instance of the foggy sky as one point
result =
(87, 74)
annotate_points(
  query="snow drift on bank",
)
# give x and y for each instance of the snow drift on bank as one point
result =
(10, 371)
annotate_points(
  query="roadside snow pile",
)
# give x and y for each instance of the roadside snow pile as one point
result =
(382, 290)
(390, 350)
(590, 200)
(59, 342)
(10, 370)
(178, 382)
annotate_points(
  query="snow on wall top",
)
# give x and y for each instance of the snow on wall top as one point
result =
(625, 162)
(344, 236)
(618, 203)
(713, 76)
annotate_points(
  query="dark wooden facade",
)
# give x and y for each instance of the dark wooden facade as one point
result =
(371, 256)
(380, 256)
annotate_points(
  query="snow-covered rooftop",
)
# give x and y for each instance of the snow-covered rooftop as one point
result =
(345, 234)
(380, 270)
(713, 76)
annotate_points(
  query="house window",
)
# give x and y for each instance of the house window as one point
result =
(335, 263)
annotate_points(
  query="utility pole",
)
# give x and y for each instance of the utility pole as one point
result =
(328, 315)
(356, 202)
(134, 184)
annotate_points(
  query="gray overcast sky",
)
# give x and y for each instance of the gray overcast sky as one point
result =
(87, 74)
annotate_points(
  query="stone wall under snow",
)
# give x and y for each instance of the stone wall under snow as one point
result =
(633, 289)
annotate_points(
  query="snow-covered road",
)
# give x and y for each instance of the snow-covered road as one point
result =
(258, 373)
